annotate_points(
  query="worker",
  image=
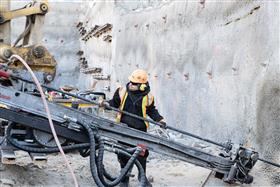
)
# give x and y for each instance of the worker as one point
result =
(135, 98)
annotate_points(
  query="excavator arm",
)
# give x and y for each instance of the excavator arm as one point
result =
(31, 49)
(28, 10)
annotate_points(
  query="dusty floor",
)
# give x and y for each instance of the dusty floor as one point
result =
(165, 172)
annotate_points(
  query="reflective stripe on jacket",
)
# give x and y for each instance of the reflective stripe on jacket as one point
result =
(147, 100)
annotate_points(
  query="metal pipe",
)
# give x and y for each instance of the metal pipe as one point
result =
(268, 162)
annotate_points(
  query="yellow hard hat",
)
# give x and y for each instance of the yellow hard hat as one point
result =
(139, 76)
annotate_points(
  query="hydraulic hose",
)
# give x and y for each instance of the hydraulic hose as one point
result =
(142, 175)
(101, 168)
(141, 172)
(108, 175)
(93, 166)
(41, 150)
(96, 163)
(128, 150)
(95, 170)
(25, 32)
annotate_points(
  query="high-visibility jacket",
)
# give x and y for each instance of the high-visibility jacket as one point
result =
(147, 100)
(138, 103)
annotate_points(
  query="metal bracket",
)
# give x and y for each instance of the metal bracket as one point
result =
(41, 8)
(38, 158)
(8, 156)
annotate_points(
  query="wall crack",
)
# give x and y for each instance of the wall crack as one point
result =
(243, 17)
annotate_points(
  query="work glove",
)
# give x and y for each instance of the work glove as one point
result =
(163, 124)
(106, 105)
(103, 103)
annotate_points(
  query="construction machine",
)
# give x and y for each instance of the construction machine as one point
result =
(29, 43)
(25, 124)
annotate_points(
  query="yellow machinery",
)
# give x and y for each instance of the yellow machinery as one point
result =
(73, 102)
(28, 45)
(31, 49)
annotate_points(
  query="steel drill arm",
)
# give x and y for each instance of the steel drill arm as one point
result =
(27, 110)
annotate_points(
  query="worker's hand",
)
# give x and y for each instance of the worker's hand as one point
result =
(106, 105)
(163, 124)
(103, 103)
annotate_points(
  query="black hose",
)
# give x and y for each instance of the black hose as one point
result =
(84, 152)
(96, 163)
(142, 175)
(129, 150)
(93, 167)
(100, 165)
(101, 168)
(42, 150)
(108, 175)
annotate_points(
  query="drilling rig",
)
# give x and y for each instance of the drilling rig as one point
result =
(25, 126)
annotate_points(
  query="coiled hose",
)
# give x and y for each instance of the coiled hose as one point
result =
(42, 150)
(124, 171)
(97, 172)
(96, 161)
(86, 153)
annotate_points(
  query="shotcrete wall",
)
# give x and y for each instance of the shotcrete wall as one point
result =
(211, 64)
(96, 51)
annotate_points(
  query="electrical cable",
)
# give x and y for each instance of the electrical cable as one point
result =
(40, 89)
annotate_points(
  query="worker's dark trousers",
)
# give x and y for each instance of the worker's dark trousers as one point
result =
(142, 159)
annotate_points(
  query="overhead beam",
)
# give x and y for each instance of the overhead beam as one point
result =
(5, 29)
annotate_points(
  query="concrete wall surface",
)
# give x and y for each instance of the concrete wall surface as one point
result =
(213, 65)
(208, 61)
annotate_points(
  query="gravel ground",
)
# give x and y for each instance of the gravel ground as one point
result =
(162, 171)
